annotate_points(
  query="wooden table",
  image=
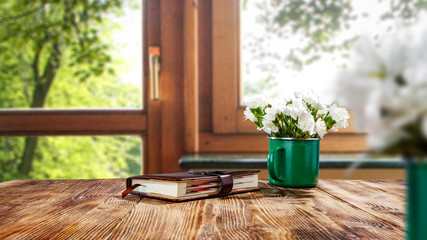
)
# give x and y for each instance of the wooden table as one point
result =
(93, 209)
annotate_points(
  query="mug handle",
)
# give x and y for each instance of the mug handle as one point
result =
(271, 163)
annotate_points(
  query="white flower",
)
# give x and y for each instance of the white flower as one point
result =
(287, 111)
(276, 107)
(256, 101)
(306, 123)
(384, 135)
(286, 99)
(267, 123)
(386, 88)
(338, 125)
(269, 117)
(296, 109)
(320, 128)
(271, 113)
(249, 115)
(338, 114)
(320, 106)
(267, 130)
(275, 129)
(283, 118)
(323, 111)
(311, 98)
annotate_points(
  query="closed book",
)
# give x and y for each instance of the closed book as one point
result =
(192, 185)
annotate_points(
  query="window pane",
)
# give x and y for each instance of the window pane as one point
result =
(290, 45)
(85, 54)
(70, 157)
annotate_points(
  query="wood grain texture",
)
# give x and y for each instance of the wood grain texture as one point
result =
(205, 65)
(172, 84)
(370, 197)
(191, 76)
(153, 162)
(40, 209)
(272, 213)
(226, 64)
(71, 122)
(101, 221)
(93, 209)
(332, 143)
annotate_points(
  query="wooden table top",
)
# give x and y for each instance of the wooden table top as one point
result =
(93, 209)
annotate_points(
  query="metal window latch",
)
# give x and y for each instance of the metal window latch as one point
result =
(154, 61)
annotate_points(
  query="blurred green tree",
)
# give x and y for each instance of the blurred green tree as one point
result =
(43, 42)
(317, 24)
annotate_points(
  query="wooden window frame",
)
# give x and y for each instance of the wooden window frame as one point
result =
(229, 131)
(39, 122)
(87, 121)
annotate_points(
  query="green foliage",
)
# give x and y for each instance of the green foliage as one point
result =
(58, 54)
(33, 34)
(316, 23)
(73, 157)
(103, 91)
(254, 86)
(86, 157)
(10, 156)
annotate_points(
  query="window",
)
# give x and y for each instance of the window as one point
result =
(289, 45)
(71, 157)
(64, 55)
(229, 131)
(75, 72)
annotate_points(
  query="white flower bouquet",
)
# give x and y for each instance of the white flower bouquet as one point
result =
(386, 88)
(303, 116)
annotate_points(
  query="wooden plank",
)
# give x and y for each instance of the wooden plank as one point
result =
(226, 64)
(371, 196)
(71, 122)
(176, 220)
(205, 65)
(272, 213)
(93, 209)
(34, 209)
(154, 141)
(19, 194)
(191, 86)
(172, 85)
(332, 143)
(152, 162)
(144, 154)
(362, 174)
(395, 187)
(88, 226)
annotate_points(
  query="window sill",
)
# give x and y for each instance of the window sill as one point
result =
(259, 161)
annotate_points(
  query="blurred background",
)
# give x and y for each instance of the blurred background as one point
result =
(77, 82)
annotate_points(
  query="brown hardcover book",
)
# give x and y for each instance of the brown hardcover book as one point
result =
(192, 185)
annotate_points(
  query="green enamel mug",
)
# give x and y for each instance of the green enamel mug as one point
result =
(416, 203)
(293, 162)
